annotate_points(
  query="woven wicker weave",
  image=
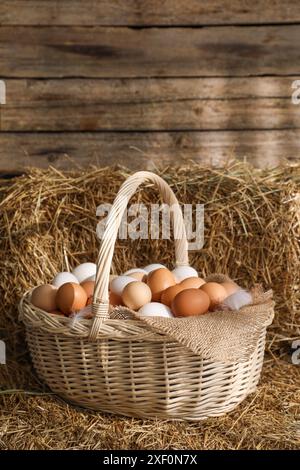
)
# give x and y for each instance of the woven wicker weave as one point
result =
(124, 366)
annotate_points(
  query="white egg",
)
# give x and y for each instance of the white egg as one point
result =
(118, 284)
(183, 272)
(152, 267)
(84, 271)
(135, 270)
(155, 309)
(91, 278)
(63, 278)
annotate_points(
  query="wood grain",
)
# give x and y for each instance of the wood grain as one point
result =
(149, 104)
(150, 12)
(145, 150)
(157, 52)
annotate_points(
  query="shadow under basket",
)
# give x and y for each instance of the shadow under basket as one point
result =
(125, 366)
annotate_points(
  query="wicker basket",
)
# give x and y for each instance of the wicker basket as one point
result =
(123, 366)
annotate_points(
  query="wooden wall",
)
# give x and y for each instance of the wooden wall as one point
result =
(141, 82)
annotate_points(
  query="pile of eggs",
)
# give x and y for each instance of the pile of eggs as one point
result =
(150, 291)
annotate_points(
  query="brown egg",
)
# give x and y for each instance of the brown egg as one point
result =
(44, 297)
(89, 287)
(215, 292)
(190, 302)
(192, 283)
(230, 287)
(71, 297)
(136, 294)
(158, 281)
(139, 276)
(168, 295)
(115, 299)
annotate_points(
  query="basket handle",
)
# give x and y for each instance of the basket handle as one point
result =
(100, 306)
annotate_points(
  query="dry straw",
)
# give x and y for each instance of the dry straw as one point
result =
(252, 234)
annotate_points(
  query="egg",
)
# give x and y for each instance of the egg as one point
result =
(71, 297)
(182, 272)
(89, 287)
(230, 287)
(44, 297)
(158, 281)
(84, 271)
(168, 295)
(215, 292)
(115, 299)
(155, 309)
(91, 278)
(136, 294)
(190, 302)
(153, 267)
(192, 283)
(118, 284)
(63, 278)
(139, 276)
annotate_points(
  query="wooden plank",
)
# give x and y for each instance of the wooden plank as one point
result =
(157, 52)
(149, 104)
(150, 12)
(145, 150)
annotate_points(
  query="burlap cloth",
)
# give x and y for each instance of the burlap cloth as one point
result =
(226, 336)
